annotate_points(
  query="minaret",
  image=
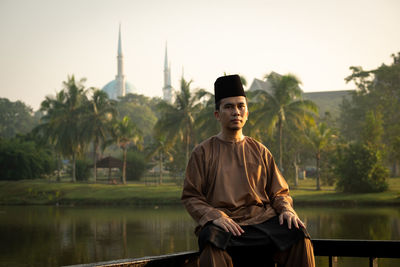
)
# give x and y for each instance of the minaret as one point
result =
(120, 78)
(167, 89)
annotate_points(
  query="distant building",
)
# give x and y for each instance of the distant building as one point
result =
(327, 101)
(120, 86)
(168, 91)
(262, 85)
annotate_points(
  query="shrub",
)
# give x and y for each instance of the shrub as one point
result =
(136, 165)
(82, 169)
(21, 159)
(359, 168)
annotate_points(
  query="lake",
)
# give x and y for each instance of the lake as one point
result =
(56, 236)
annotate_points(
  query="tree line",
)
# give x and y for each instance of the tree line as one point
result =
(354, 149)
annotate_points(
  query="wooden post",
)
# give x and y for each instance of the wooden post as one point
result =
(333, 261)
(373, 262)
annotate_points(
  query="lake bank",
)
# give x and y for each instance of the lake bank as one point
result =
(43, 192)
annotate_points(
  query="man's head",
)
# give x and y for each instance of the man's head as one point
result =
(227, 86)
(230, 102)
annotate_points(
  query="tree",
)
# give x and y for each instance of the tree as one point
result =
(61, 123)
(177, 121)
(141, 110)
(378, 91)
(319, 136)
(161, 149)
(15, 118)
(125, 132)
(97, 122)
(205, 123)
(273, 110)
(373, 131)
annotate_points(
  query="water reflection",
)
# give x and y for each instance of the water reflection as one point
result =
(54, 236)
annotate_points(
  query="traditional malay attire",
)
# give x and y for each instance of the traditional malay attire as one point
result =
(240, 180)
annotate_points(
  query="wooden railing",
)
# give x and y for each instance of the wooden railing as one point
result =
(332, 248)
(372, 249)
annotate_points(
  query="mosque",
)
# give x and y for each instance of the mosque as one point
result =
(120, 86)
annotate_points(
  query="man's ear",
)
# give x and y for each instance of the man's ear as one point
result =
(216, 114)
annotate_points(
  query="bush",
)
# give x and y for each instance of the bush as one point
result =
(360, 169)
(21, 159)
(136, 165)
(82, 169)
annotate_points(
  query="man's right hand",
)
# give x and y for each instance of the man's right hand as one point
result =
(229, 225)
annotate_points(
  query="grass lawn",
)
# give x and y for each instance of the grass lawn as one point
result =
(37, 192)
(306, 194)
(43, 192)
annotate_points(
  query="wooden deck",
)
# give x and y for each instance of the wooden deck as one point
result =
(332, 248)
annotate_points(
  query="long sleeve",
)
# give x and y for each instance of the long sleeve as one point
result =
(277, 187)
(193, 194)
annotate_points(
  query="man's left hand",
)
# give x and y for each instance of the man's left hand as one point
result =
(291, 218)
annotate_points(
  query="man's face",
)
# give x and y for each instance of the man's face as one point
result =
(232, 113)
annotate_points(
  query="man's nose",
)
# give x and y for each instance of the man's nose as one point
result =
(235, 111)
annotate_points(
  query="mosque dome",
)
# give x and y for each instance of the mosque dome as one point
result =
(112, 89)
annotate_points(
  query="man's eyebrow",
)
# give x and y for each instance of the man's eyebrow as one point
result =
(228, 104)
(233, 104)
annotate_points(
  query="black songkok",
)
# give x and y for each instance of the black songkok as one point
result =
(227, 86)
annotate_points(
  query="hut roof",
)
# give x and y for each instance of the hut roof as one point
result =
(109, 162)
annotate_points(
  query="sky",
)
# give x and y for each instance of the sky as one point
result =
(44, 41)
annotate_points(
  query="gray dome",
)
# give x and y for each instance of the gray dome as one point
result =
(112, 90)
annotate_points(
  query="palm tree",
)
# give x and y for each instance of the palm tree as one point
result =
(45, 132)
(177, 121)
(61, 122)
(319, 136)
(205, 122)
(97, 121)
(282, 104)
(125, 132)
(161, 148)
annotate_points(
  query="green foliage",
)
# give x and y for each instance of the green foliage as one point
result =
(126, 132)
(15, 118)
(373, 129)
(97, 122)
(377, 102)
(177, 123)
(83, 169)
(136, 165)
(274, 110)
(177, 167)
(141, 110)
(319, 137)
(360, 169)
(205, 123)
(61, 124)
(21, 159)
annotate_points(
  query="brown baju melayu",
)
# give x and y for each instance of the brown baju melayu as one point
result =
(240, 180)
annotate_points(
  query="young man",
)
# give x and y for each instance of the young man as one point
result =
(237, 195)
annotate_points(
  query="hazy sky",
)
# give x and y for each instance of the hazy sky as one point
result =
(44, 41)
